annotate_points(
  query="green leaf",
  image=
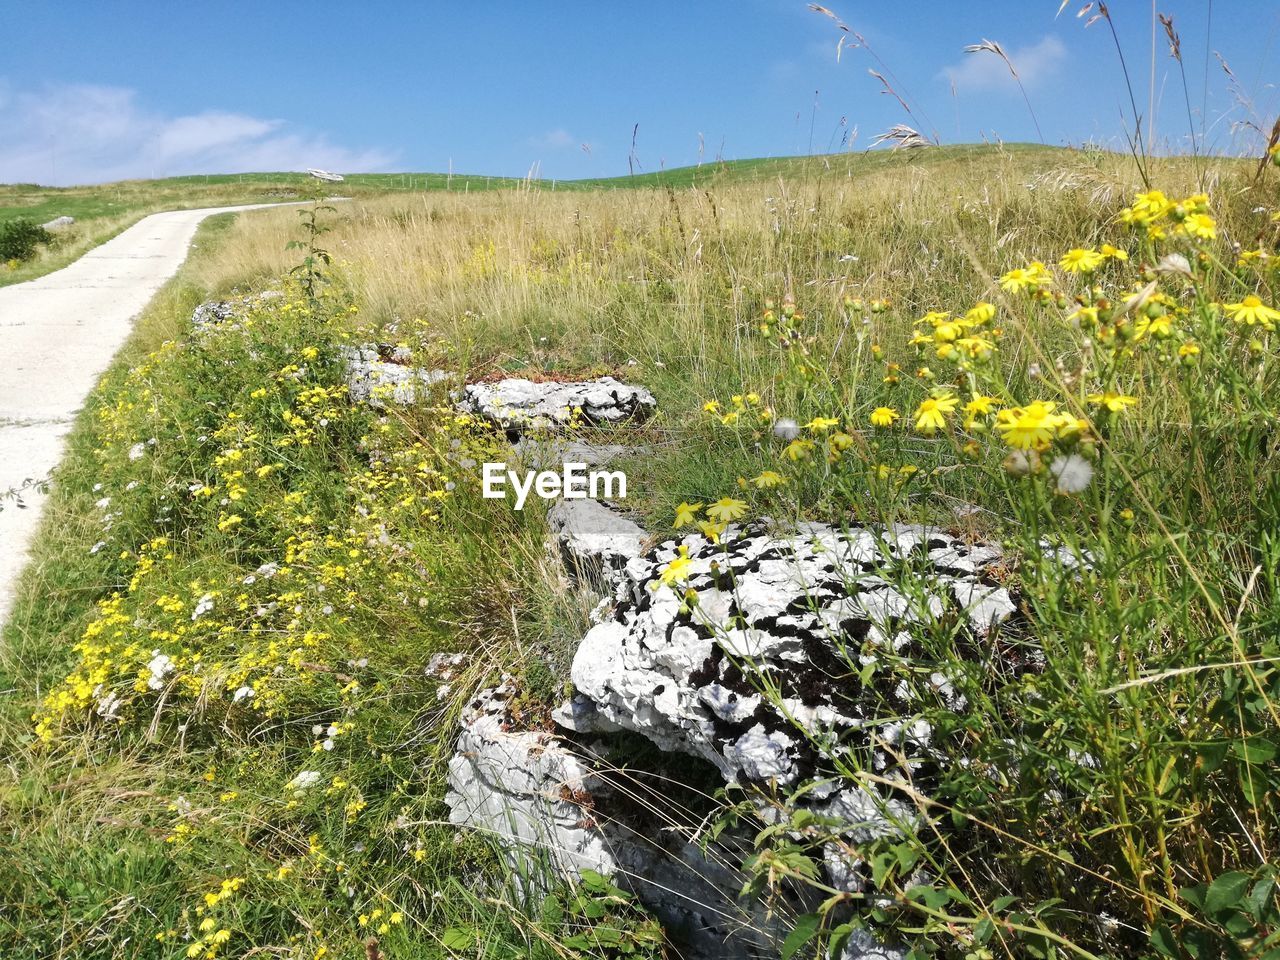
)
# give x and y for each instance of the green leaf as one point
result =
(933, 897)
(983, 930)
(805, 929)
(594, 880)
(1255, 792)
(839, 936)
(881, 863)
(1163, 942)
(907, 855)
(1259, 897)
(1254, 750)
(1226, 891)
(458, 938)
(1193, 895)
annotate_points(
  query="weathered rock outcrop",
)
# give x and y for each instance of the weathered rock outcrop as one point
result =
(552, 800)
(551, 451)
(214, 313)
(595, 541)
(521, 785)
(380, 374)
(796, 613)
(519, 406)
(211, 313)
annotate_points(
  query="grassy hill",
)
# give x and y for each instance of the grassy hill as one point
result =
(217, 738)
(103, 210)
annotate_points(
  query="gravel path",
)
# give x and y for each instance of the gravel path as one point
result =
(58, 334)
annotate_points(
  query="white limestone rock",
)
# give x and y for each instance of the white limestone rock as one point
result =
(525, 787)
(548, 800)
(214, 313)
(549, 452)
(519, 405)
(381, 375)
(784, 607)
(211, 313)
(595, 541)
(58, 223)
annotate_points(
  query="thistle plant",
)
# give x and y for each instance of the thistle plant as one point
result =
(312, 272)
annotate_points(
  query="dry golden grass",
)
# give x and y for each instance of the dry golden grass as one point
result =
(674, 278)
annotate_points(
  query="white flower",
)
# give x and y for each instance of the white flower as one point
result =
(97, 546)
(160, 666)
(1073, 473)
(109, 706)
(266, 572)
(243, 693)
(304, 780)
(137, 451)
(203, 606)
(103, 503)
(786, 429)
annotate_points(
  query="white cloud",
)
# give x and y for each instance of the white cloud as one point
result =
(558, 139)
(986, 72)
(83, 133)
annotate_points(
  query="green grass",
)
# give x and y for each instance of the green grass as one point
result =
(102, 211)
(1158, 664)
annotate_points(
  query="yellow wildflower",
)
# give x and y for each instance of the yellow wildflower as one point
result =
(768, 479)
(1201, 226)
(1251, 310)
(1028, 428)
(1017, 279)
(1112, 401)
(798, 449)
(980, 313)
(711, 530)
(726, 509)
(884, 417)
(1080, 260)
(980, 406)
(677, 569)
(1085, 316)
(686, 514)
(930, 416)
(978, 348)
(821, 424)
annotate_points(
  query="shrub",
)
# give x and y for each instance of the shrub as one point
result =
(19, 239)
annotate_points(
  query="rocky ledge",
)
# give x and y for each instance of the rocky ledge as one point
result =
(560, 800)
(817, 616)
(521, 406)
(595, 541)
(380, 374)
(808, 615)
(214, 313)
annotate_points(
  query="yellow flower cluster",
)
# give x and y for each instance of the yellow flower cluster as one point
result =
(1137, 319)
(1163, 217)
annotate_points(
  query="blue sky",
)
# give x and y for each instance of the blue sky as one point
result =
(104, 90)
